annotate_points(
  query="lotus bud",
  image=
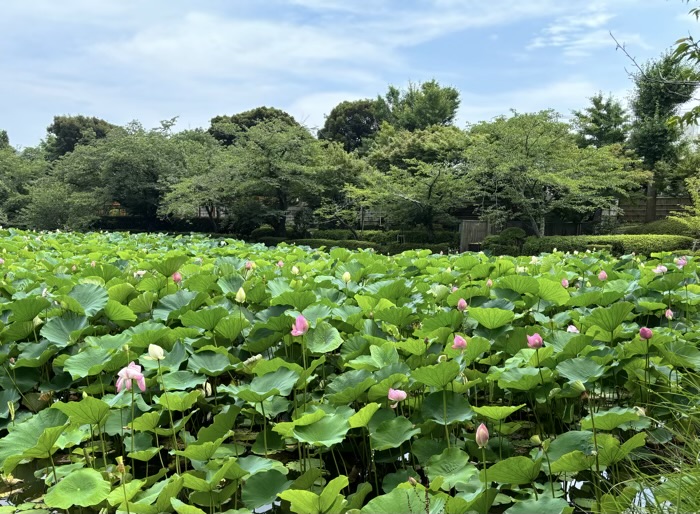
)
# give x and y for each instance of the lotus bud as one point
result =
(455, 289)
(121, 469)
(74, 267)
(412, 481)
(177, 277)
(93, 264)
(462, 305)
(535, 341)
(482, 436)
(300, 327)
(252, 360)
(602, 276)
(645, 333)
(85, 395)
(396, 395)
(249, 265)
(535, 439)
(572, 329)
(660, 269)
(564, 283)
(295, 270)
(346, 277)
(489, 283)
(240, 295)
(459, 343)
(2, 261)
(680, 262)
(280, 264)
(155, 352)
(668, 314)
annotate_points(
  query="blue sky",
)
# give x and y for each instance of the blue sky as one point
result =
(152, 60)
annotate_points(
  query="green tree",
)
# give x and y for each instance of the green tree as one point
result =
(661, 87)
(420, 105)
(352, 124)
(67, 132)
(528, 166)
(4, 140)
(227, 129)
(54, 204)
(604, 122)
(17, 171)
(276, 163)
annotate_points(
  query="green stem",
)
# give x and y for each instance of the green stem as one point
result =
(262, 407)
(444, 417)
(131, 432)
(486, 482)
(597, 462)
(170, 415)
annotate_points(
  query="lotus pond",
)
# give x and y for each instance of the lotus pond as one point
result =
(149, 374)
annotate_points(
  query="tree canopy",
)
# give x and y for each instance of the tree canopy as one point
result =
(604, 122)
(352, 123)
(66, 132)
(419, 106)
(227, 129)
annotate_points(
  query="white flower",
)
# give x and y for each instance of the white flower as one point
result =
(295, 270)
(155, 352)
(240, 295)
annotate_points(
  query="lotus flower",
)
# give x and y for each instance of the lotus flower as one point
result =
(572, 329)
(346, 277)
(645, 333)
(396, 395)
(482, 436)
(129, 373)
(2, 261)
(681, 261)
(280, 264)
(249, 265)
(535, 341)
(564, 283)
(489, 283)
(300, 327)
(240, 295)
(177, 277)
(93, 264)
(668, 314)
(295, 270)
(602, 276)
(459, 343)
(155, 352)
(660, 269)
(462, 305)
(455, 289)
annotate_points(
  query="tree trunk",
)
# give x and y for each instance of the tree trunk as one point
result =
(650, 214)
(538, 226)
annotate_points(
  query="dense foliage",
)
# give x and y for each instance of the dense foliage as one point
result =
(156, 374)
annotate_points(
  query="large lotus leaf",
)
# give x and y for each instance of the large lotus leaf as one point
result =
(16, 331)
(231, 326)
(27, 309)
(184, 508)
(120, 293)
(34, 355)
(324, 338)
(88, 411)
(115, 311)
(610, 419)
(681, 354)
(363, 416)
(300, 300)
(447, 407)
(143, 302)
(170, 265)
(581, 368)
(223, 422)
(125, 493)
(64, 330)
(438, 375)
(451, 319)
(380, 391)
(206, 318)
(491, 318)
(497, 413)
(572, 462)
(610, 451)
(543, 504)
(552, 291)
(521, 284)
(570, 441)
(514, 470)
(45, 445)
(200, 451)
(327, 431)
(263, 488)
(407, 499)
(398, 316)
(286, 428)
(178, 401)
(283, 380)
(453, 465)
(172, 305)
(209, 363)
(92, 298)
(84, 487)
(392, 433)
(182, 380)
(609, 318)
(349, 386)
(476, 347)
(89, 362)
(523, 379)
(254, 465)
(380, 357)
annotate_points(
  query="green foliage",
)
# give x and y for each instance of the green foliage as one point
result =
(228, 129)
(677, 226)
(508, 242)
(67, 132)
(603, 123)
(419, 106)
(352, 124)
(620, 244)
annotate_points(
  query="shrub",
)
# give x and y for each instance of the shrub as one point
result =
(335, 234)
(395, 248)
(350, 244)
(513, 234)
(669, 226)
(508, 242)
(262, 231)
(619, 244)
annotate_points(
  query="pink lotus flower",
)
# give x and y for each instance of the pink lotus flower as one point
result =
(668, 314)
(660, 269)
(129, 373)
(535, 341)
(489, 283)
(249, 265)
(645, 333)
(681, 261)
(280, 264)
(602, 276)
(177, 277)
(462, 305)
(459, 343)
(2, 261)
(300, 327)
(396, 395)
(564, 283)
(482, 436)
(572, 329)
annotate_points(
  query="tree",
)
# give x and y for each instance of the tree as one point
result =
(4, 140)
(419, 106)
(661, 87)
(276, 163)
(604, 122)
(67, 132)
(17, 171)
(54, 204)
(352, 124)
(529, 166)
(227, 129)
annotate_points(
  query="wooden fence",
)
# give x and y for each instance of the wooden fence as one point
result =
(635, 211)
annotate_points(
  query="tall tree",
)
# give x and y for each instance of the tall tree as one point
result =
(352, 123)
(66, 132)
(4, 140)
(604, 122)
(17, 172)
(528, 166)
(420, 105)
(227, 129)
(661, 88)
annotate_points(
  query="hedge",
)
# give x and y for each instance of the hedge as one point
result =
(619, 244)
(668, 226)
(391, 236)
(352, 244)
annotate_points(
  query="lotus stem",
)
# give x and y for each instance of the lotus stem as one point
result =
(486, 482)
(170, 415)
(444, 417)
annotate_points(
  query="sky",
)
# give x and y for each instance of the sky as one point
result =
(125, 60)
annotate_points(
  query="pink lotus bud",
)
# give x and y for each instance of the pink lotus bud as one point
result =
(300, 327)
(602, 276)
(482, 436)
(280, 264)
(462, 305)
(489, 283)
(396, 395)
(564, 283)
(177, 277)
(249, 265)
(681, 261)
(660, 269)
(535, 341)
(74, 267)
(459, 343)
(455, 289)
(2, 261)
(93, 264)
(668, 314)
(572, 329)
(645, 333)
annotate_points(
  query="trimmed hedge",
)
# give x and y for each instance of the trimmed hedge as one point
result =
(390, 236)
(666, 226)
(619, 244)
(352, 244)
